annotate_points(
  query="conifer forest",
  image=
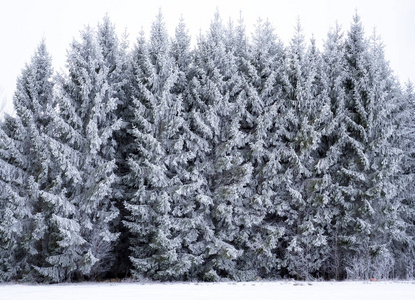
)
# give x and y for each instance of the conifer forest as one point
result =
(231, 157)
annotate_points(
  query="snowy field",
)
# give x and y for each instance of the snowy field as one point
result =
(284, 290)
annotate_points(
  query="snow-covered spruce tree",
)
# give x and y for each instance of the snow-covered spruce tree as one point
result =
(259, 67)
(195, 200)
(264, 106)
(162, 202)
(219, 107)
(33, 100)
(249, 212)
(181, 54)
(116, 60)
(330, 148)
(369, 160)
(405, 137)
(386, 159)
(352, 176)
(84, 150)
(25, 151)
(299, 134)
(237, 44)
(15, 213)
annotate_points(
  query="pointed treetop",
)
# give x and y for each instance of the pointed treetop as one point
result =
(215, 32)
(159, 38)
(180, 48)
(336, 32)
(34, 87)
(42, 49)
(356, 29)
(313, 42)
(376, 40)
(334, 42)
(141, 45)
(182, 32)
(42, 60)
(85, 49)
(241, 31)
(298, 32)
(108, 41)
(264, 37)
(106, 24)
(356, 45)
(356, 17)
(297, 42)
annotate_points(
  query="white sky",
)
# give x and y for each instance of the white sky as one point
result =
(23, 23)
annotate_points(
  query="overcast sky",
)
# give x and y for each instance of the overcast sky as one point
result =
(23, 23)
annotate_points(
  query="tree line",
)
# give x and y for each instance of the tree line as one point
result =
(237, 158)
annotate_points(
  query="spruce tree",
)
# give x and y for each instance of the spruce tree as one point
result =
(162, 210)
(329, 157)
(385, 159)
(299, 137)
(265, 82)
(355, 162)
(116, 60)
(83, 153)
(15, 214)
(218, 95)
(405, 137)
(26, 140)
(369, 164)
(194, 219)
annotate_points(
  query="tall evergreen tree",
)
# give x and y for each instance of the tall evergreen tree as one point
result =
(264, 106)
(218, 94)
(116, 61)
(161, 176)
(369, 161)
(26, 148)
(405, 138)
(84, 152)
(300, 137)
(385, 159)
(258, 69)
(330, 149)
(15, 214)
(195, 207)
(352, 175)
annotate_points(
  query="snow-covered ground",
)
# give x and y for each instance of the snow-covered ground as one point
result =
(284, 290)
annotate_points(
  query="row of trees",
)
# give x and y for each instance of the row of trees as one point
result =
(239, 158)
